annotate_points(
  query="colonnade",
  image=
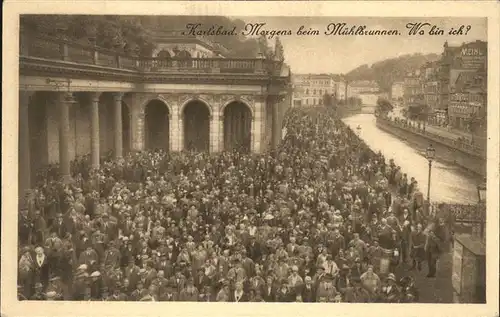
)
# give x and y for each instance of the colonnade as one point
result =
(255, 120)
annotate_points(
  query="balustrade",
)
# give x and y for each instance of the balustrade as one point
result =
(65, 50)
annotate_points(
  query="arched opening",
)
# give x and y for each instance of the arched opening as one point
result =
(38, 138)
(237, 127)
(126, 131)
(196, 118)
(157, 125)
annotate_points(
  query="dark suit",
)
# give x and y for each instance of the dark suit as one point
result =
(201, 281)
(41, 271)
(308, 294)
(59, 228)
(24, 228)
(268, 294)
(243, 297)
(254, 251)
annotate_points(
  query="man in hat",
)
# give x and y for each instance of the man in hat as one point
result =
(56, 285)
(89, 257)
(79, 287)
(160, 282)
(127, 251)
(375, 253)
(391, 292)
(417, 254)
(26, 268)
(165, 264)
(112, 256)
(39, 228)
(206, 295)
(132, 273)
(96, 286)
(318, 276)
(59, 226)
(118, 296)
(190, 293)
(178, 281)
(168, 295)
(223, 294)
(337, 243)
(25, 227)
(38, 295)
(355, 293)
(308, 292)
(436, 243)
(139, 292)
(326, 291)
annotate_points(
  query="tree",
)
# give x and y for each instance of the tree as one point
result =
(476, 121)
(328, 101)
(388, 71)
(419, 112)
(383, 106)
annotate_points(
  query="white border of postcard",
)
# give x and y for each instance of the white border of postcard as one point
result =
(11, 10)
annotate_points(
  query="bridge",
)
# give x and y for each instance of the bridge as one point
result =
(77, 99)
(368, 109)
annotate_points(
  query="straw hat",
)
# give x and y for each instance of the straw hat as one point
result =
(392, 277)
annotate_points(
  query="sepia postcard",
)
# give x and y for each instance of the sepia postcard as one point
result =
(251, 158)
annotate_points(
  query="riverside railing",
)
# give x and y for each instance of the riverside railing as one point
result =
(59, 49)
(466, 147)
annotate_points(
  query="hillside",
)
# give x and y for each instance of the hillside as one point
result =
(130, 32)
(388, 71)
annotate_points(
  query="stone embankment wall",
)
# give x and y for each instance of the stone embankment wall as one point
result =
(473, 162)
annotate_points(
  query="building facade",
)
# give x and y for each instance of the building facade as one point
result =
(397, 91)
(359, 87)
(177, 44)
(412, 94)
(108, 102)
(468, 100)
(467, 87)
(430, 78)
(310, 89)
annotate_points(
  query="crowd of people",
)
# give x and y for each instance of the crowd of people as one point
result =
(322, 218)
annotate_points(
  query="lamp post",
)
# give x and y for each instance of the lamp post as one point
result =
(481, 207)
(430, 153)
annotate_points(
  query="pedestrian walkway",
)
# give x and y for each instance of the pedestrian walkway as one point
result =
(432, 290)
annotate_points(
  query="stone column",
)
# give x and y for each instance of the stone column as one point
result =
(221, 131)
(175, 130)
(24, 159)
(276, 129)
(118, 131)
(94, 124)
(137, 125)
(180, 125)
(214, 132)
(65, 100)
(257, 120)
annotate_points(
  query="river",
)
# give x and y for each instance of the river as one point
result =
(449, 183)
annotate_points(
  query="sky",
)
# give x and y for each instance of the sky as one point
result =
(340, 54)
